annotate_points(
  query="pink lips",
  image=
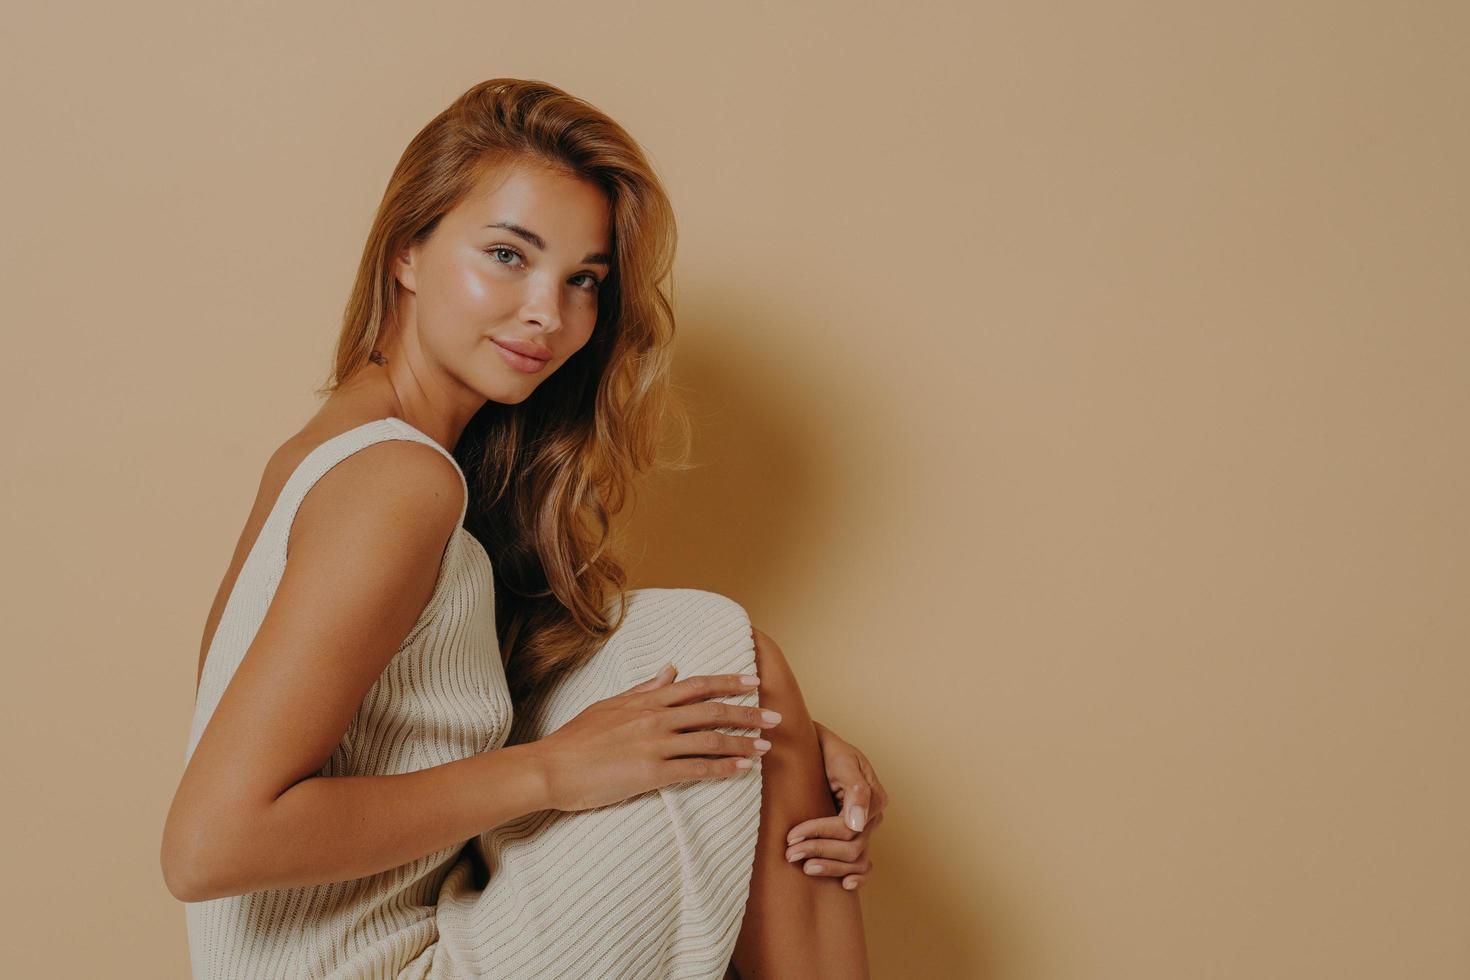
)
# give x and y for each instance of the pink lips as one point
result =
(523, 355)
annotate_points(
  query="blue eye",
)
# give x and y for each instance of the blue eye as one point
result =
(592, 286)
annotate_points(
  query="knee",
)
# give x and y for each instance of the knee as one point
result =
(698, 631)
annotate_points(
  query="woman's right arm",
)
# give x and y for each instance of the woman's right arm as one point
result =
(333, 828)
(250, 813)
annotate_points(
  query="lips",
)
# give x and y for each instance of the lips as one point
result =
(526, 348)
(524, 363)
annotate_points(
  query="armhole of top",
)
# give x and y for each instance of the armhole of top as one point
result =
(331, 452)
(417, 436)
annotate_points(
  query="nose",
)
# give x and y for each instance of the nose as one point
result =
(542, 305)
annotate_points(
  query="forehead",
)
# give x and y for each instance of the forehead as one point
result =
(570, 213)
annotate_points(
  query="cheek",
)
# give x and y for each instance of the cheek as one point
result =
(471, 289)
(583, 333)
(465, 291)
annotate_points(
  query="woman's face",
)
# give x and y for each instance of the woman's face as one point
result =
(517, 264)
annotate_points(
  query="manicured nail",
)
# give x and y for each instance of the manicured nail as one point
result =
(762, 744)
(813, 869)
(771, 717)
(742, 763)
(795, 839)
(849, 883)
(856, 819)
(749, 680)
(797, 856)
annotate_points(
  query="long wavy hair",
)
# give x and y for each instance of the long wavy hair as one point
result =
(546, 475)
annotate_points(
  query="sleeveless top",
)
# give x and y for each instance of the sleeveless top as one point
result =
(442, 697)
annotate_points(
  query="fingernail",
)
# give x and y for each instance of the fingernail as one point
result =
(770, 717)
(856, 819)
(797, 856)
(849, 883)
(762, 744)
(813, 869)
(797, 839)
(742, 763)
(749, 680)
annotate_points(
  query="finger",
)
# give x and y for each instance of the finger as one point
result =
(850, 851)
(854, 882)
(855, 806)
(664, 676)
(834, 828)
(702, 687)
(715, 744)
(843, 771)
(718, 714)
(880, 795)
(830, 828)
(680, 770)
(827, 868)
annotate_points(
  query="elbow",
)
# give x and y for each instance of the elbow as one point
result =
(179, 888)
(190, 864)
(181, 876)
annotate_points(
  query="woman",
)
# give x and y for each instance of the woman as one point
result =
(499, 378)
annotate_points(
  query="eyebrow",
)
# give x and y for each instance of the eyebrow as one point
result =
(591, 258)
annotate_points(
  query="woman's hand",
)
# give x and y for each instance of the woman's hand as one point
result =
(837, 847)
(653, 734)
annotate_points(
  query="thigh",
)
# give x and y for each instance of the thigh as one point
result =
(652, 886)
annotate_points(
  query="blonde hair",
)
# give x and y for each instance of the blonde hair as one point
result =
(546, 475)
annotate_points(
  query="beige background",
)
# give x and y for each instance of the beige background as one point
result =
(1085, 406)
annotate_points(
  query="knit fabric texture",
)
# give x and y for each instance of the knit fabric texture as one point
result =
(650, 887)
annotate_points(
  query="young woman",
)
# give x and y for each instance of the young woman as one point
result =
(434, 735)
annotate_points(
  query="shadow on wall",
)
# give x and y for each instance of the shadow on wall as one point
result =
(757, 520)
(754, 516)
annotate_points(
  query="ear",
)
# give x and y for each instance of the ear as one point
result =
(403, 269)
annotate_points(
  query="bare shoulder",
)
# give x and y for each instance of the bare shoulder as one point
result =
(388, 488)
(419, 486)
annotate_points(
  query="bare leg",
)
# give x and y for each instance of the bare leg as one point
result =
(794, 925)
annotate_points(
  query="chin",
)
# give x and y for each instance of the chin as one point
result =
(508, 394)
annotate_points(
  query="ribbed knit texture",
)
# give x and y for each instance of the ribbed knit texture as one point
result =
(651, 887)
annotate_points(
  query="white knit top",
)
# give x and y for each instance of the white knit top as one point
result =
(442, 697)
(650, 888)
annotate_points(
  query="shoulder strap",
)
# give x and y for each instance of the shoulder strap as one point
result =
(332, 451)
(428, 440)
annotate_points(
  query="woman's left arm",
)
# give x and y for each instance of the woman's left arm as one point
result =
(837, 847)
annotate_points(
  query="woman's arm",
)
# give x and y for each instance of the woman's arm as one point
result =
(333, 828)
(250, 811)
(837, 847)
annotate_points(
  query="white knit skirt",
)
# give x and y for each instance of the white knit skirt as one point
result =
(650, 887)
